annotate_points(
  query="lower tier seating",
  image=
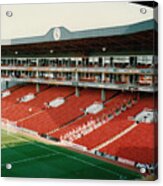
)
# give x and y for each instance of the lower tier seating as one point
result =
(108, 107)
(18, 93)
(13, 88)
(114, 126)
(53, 118)
(21, 110)
(137, 145)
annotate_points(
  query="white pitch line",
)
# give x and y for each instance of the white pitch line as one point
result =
(12, 141)
(75, 158)
(13, 145)
(30, 159)
(92, 164)
(18, 137)
(36, 144)
(81, 160)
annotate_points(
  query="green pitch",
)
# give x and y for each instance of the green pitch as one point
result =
(30, 158)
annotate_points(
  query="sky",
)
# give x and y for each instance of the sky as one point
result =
(37, 19)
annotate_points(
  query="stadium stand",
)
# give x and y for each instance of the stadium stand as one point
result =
(90, 89)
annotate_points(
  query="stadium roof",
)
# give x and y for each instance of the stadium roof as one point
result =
(133, 38)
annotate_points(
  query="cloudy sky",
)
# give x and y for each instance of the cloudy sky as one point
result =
(36, 19)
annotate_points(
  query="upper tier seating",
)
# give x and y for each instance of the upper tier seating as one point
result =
(137, 145)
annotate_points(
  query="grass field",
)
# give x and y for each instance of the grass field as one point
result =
(30, 158)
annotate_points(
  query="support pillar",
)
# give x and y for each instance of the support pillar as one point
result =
(103, 77)
(116, 78)
(103, 62)
(37, 87)
(113, 78)
(77, 93)
(103, 95)
(134, 79)
(76, 76)
(7, 84)
(77, 62)
(37, 64)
